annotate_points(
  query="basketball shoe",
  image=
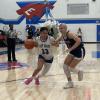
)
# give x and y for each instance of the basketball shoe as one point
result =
(28, 81)
(69, 85)
(37, 82)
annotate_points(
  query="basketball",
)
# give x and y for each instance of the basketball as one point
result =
(29, 43)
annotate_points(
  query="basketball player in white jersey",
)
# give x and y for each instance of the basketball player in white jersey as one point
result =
(45, 58)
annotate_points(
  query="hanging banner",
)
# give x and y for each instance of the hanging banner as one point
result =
(31, 11)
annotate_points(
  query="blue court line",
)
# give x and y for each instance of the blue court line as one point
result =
(6, 66)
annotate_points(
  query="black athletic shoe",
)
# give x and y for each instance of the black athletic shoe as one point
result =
(15, 60)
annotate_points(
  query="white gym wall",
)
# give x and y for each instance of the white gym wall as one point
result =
(8, 11)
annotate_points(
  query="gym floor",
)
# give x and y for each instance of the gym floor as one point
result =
(51, 85)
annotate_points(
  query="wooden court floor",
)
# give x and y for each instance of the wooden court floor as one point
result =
(51, 85)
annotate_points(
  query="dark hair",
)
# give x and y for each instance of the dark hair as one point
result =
(43, 29)
(10, 25)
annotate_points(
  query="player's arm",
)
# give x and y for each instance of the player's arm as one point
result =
(7, 33)
(54, 43)
(36, 41)
(76, 38)
(59, 39)
(16, 33)
(35, 44)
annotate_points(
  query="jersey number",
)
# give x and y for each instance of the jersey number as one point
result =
(45, 51)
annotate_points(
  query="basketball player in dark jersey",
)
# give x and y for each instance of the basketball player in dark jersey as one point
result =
(76, 53)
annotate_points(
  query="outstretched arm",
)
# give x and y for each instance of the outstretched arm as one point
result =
(59, 39)
(54, 43)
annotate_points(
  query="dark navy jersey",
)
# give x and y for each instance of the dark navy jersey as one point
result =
(70, 42)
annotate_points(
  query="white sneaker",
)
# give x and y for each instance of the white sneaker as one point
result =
(80, 75)
(69, 85)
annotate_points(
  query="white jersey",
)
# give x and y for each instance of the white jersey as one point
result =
(45, 48)
(11, 33)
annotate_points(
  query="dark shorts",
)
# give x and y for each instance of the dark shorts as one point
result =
(46, 61)
(79, 52)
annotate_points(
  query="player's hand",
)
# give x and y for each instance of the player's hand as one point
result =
(54, 43)
(67, 51)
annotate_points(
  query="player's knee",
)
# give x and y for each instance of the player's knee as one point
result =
(65, 67)
(66, 70)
